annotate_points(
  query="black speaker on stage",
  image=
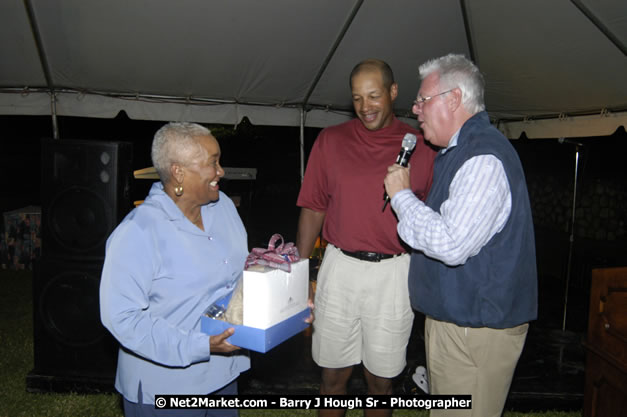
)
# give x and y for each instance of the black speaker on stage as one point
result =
(86, 192)
(70, 342)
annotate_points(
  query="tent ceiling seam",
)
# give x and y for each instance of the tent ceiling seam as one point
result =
(43, 60)
(469, 39)
(331, 52)
(600, 25)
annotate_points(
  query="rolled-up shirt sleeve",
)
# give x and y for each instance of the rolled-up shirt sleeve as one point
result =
(478, 206)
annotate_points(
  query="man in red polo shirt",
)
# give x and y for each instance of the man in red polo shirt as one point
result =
(362, 305)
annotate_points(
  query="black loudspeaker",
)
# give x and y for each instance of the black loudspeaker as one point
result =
(86, 192)
(69, 339)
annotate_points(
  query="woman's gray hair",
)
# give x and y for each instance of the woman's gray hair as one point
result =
(456, 70)
(176, 143)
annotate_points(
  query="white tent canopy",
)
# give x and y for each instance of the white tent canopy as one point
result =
(553, 68)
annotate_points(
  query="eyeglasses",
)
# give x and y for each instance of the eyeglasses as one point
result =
(422, 100)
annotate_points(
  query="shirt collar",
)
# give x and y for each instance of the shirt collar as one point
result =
(158, 197)
(393, 126)
(453, 142)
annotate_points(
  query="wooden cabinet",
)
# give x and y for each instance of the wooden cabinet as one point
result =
(606, 345)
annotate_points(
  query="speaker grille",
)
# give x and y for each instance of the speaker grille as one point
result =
(69, 338)
(85, 194)
(79, 220)
(69, 308)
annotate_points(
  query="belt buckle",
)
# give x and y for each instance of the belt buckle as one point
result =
(371, 256)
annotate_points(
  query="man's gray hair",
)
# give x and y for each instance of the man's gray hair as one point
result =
(456, 70)
(176, 143)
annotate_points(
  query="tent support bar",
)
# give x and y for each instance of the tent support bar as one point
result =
(44, 64)
(337, 42)
(597, 22)
(471, 49)
(572, 238)
(302, 144)
(53, 113)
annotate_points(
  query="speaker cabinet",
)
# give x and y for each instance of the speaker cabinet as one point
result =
(69, 338)
(85, 193)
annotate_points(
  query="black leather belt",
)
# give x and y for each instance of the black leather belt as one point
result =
(369, 256)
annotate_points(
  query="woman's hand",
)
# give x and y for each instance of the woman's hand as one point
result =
(218, 343)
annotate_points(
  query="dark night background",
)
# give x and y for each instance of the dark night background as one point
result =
(274, 152)
(600, 230)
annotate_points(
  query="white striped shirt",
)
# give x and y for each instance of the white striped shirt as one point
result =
(478, 206)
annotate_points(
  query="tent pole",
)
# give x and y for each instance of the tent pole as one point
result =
(53, 113)
(302, 144)
(572, 238)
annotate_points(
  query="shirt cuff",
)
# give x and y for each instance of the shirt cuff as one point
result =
(401, 199)
(200, 347)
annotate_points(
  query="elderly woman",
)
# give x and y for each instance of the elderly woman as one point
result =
(170, 258)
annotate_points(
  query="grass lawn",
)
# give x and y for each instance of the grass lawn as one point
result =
(16, 360)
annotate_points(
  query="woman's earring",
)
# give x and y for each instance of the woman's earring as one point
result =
(178, 190)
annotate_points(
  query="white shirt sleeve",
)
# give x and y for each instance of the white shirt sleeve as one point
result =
(478, 206)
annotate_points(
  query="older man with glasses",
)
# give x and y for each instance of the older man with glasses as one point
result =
(473, 269)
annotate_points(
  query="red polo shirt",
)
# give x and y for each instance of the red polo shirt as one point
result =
(344, 178)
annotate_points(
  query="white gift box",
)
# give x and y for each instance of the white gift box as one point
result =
(272, 295)
(275, 307)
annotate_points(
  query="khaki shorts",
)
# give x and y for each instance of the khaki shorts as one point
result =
(362, 313)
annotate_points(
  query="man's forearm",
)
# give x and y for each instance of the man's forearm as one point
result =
(309, 226)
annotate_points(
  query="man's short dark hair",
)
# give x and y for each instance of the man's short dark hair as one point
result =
(374, 64)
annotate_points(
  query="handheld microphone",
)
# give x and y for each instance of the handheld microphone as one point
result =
(407, 148)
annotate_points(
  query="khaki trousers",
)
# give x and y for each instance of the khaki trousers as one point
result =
(475, 361)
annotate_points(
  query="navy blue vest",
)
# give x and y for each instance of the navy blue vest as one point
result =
(496, 288)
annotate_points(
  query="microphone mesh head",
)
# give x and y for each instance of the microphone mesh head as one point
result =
(409, 141)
